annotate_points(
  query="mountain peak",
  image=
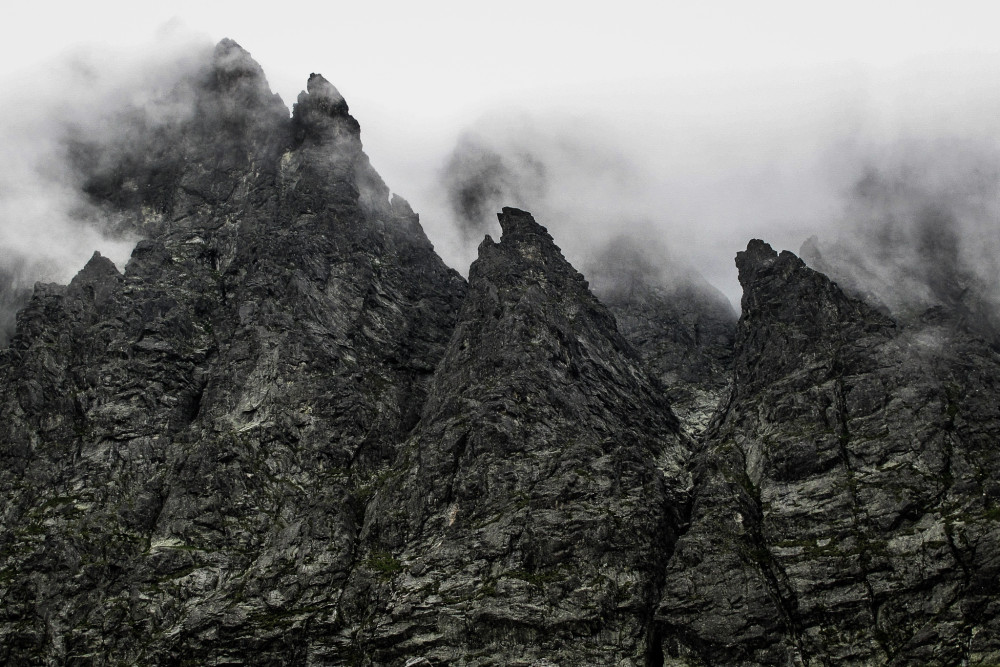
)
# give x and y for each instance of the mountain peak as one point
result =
(541, 441)
(229, 48)
(789, 312)
(760, 256)
(321, 113)
(516, 223)
(233, 66)
(320, 88)
(758, 252)
(322, 96)
(97, 266)
(525, 254)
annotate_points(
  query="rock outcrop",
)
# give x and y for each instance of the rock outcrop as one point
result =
(286, 433)
(847, 489)
(542, 487)
(186, 447)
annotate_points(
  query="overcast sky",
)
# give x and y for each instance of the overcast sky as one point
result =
(732, 119)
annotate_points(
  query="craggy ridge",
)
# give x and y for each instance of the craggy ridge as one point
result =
(286, 433)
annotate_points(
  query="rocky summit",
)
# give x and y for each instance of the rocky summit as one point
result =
(286, 433)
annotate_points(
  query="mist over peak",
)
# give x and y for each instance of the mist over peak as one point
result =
(320, 88)
(922, 230)
(228, 56)
(285, 431)
(836, 153)
(897, 168)
(479, 179)
(102, 135)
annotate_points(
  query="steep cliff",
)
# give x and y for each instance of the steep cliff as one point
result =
(543, 486)
(847, 490)
(287, 433)
(186, 447)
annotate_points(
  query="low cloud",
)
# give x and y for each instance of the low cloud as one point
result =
(895, 172)
(479, 179)
(58, 127)
(921, 229)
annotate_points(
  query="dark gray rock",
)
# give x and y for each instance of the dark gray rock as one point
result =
(287, 433)
(846, 508)
(542, 487)
(186, 447)
(682, 327)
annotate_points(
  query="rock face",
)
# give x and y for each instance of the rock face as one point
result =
(847, 489)
(14, 296)
(682, 327)
(186, 446)
(287, 433)
(542, 487)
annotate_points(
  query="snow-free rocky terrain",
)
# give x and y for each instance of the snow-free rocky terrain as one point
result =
(286, 433)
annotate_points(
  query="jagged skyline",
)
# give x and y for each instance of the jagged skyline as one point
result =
(288, 433)
(699, 127)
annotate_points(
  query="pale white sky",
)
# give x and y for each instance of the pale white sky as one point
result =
(466, 54)
(681, 86)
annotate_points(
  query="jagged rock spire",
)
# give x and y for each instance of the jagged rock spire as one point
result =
(846, 446)
(267, 349)
(546, 468)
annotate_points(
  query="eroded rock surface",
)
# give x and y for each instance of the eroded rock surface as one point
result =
(847, 491)
(286, 433)
(186, 446)
(541, 490)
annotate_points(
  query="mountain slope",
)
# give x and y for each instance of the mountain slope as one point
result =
(847, 490)
(184, 444)
(541, 489)
(287, 433)
(682, 327)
